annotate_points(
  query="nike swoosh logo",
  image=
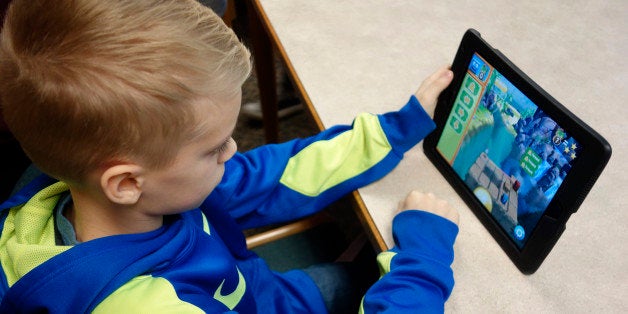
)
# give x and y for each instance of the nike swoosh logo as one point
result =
(232, 299)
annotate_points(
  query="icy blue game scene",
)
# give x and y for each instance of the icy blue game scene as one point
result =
(508, 151)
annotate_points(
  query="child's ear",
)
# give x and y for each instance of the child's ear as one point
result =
(122, 183)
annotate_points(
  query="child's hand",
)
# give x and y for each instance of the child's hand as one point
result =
(428, 92)
(429, 203)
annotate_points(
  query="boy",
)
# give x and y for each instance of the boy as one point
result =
(130, 106)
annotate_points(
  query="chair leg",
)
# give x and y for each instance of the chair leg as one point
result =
(286, 230)
(265, 70)
(354, 248)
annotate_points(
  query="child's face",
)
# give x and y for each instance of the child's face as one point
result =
(199, 165)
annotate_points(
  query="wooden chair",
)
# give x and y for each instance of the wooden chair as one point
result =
(255, 239)
(263, 58)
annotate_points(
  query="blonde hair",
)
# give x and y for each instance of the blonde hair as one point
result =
(87, 82)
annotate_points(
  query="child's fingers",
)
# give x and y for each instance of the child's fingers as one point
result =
(428, 92)
(430, 203)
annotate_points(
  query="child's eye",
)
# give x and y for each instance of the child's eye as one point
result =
(223, 148)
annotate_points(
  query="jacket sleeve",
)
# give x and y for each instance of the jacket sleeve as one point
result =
(282, 182)
(416, 273)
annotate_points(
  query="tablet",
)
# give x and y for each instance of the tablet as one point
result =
(521, 161)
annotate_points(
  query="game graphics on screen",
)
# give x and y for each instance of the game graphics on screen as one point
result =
(509, 153)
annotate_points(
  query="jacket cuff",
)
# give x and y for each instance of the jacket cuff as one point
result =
(408, 126)
(426, 233)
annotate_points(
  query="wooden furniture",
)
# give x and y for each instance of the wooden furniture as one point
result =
(286, 230)
(263, 61)
(352, 56)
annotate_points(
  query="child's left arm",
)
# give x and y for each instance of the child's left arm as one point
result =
(282, 182)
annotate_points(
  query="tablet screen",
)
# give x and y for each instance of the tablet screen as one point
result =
(509, 153)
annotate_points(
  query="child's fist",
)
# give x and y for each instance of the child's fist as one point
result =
(429, 203)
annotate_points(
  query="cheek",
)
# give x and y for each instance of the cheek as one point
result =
(209, 177)
(198, 190)
(201, 179)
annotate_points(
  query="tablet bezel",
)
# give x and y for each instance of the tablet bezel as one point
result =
(586, 168)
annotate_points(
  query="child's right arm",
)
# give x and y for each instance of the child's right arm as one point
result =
(416, 273)
(429, 203)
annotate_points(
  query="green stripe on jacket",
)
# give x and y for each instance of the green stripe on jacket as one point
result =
(314, 169)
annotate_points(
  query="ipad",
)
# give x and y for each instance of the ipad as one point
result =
(520, 160)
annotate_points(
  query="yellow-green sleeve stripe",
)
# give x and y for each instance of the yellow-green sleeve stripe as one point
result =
(325, 164)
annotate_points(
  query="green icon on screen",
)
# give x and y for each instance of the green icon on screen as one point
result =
(466, 99)
(461, 112)
(472, 86)
(530, 162)
(455, 124)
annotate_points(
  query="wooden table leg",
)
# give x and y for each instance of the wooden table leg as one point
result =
(264, 64)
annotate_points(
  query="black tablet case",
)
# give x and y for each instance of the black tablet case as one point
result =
(595, 155)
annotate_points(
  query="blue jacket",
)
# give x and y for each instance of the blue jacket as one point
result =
(198, 261)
